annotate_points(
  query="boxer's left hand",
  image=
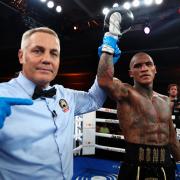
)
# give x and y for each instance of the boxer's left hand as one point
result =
(118, 21)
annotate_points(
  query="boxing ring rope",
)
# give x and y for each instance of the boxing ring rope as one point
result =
(77, 149)
(110, 148)
(113, 121)
(114, 136)
(83, 128)
(114, 111)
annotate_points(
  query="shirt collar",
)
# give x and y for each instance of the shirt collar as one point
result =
(27, 84)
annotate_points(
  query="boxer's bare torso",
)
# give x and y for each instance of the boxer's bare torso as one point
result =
(143, 119)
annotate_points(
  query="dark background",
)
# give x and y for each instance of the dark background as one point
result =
(79, 57)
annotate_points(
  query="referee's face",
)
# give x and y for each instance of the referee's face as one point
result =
(41, 58)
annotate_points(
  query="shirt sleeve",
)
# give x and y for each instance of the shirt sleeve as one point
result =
(89, 101)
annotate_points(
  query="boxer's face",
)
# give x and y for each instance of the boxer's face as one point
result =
(41, 58)
(143, 69)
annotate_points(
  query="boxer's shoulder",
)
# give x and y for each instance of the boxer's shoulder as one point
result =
(160, 96)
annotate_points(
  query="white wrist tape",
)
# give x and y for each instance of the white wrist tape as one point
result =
(108, 49)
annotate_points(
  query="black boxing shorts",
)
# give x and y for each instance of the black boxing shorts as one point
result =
(147, 162)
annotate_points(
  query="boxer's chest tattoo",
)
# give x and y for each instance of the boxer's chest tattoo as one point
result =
(161, 109)
(145, 113)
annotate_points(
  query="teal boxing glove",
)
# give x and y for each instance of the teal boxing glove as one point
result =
(5, 106)
(116, 54)
(109, 43)
(110, 46)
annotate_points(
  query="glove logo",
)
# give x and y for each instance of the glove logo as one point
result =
(64, 105)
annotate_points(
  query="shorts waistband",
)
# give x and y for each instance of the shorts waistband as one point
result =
(139, 153)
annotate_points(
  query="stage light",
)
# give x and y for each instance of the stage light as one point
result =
(147, 29)
(127, 5)
(115, 5)
(135, 3)
(105, 11)
(58, 8)
(43, 1)
(148, 2)
(158, 1)
(75, 28)
(50, 4)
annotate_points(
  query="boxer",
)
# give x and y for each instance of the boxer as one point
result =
(144, 115)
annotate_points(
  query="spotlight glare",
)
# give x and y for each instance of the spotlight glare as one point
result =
(58, 8)
(105, 11)
(75, 28)
(158, 2)
(146, 30)
(50, 4)
(43, 1)
(115, 5)
(148, 2)
(135, 3)
(127, 5)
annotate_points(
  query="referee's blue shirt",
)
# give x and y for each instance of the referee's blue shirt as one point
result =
(36, 141)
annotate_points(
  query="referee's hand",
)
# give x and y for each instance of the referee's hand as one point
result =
(5, 106)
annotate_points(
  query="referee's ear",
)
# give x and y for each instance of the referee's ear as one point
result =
(20, 56)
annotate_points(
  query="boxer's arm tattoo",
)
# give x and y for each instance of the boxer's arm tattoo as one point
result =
(105, 72)
(106, 69)
(106, 79)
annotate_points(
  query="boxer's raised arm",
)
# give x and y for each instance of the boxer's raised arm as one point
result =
(117, 22)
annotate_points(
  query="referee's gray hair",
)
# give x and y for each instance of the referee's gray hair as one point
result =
(29, 32)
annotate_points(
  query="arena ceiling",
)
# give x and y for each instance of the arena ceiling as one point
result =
(79, 48)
